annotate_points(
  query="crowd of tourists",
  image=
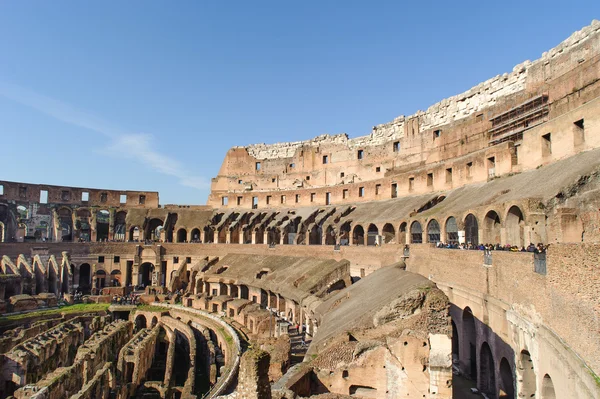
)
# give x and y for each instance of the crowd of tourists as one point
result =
(538, 249)
(129, 299)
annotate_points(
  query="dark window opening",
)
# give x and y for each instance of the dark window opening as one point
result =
(142, 199)
(437, 134)
(65, 195)
(342, 174)
(327, 198)
(22, 192)
(396, 146)
(360, 154)
(361, 191)
(100, 259)
(469, 169)
(273, 180)
(312, 197)
(449, 175)
(117, 259)
(546, 144)
(345, 193)
(411, 183)
(394, 190)
(325, 159)
(283, 199)
(268, 199)
(297, 198)
(254, 202)
(429, 179)
(307, 178)
(175, 259)
(188, 259)
(239, 200)
(257, 166)
(377, 189)
(378, 169)
(579, 124)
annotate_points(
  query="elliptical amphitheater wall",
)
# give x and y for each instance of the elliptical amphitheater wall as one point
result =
(512, 161)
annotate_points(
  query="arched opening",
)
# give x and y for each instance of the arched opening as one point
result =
(507, 381)
(195, 237)
(372, 235)
(433, 231)
(52, 279)
(315, 235)
(85, 275)
(330, 238)
(527, 375)
(181, 235)
(65, 219)
(514, 226)
(469, 344)
(235, 235)
(273, 236)
(345, 233)
(259, 236)
(64, 279)
(291, 230)
(389, 233)
(145, 274)
(82, 223)
(100, 279)
(134, 234)
(115, 278)
(402, 233)
(358, 235)
(244, 291)
(455, 343)
(487, 374)
(102, 223)
(222, 235)
(182, 354)
(451, 231)
(471, 230)
(247, 235)
(416, 233)
(120, 226)
(159, 361)
(154, 322)
(154, 229)
(140, 322)
(491, 228)
(209, 235)
(548, 388)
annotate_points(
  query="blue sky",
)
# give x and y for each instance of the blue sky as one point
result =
(149, 95)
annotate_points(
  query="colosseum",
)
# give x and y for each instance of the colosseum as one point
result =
(449, 253)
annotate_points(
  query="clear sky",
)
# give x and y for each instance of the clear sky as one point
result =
(150, 95)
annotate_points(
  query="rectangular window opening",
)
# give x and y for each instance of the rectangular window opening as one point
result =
(394, 190)
(292, 165)
(254, 202)
(579, 133)
(142, 199)
(396, 146)
(449, 175)
(361, 191)
(283, 199)
(43, 196)
(377, 189)
(327, 198)
(325, 159)
(297, 199)
(469, 169)
(258, 166)
(273, 180)
(307, 178)
(1, 189)
(100, 259)
(224, 201)
(547, 144)
(429, 179)
(117, 259)
(22, 192)
(411, 183)
(378, 169)
(239, 200)
(345, 193)
(342, 174)
(103, 197)
(437, 133)
(65, 195)
(123, 198)
(175, 259)
(360, 154)
(268, 200)
(491, 166)
(312, 197)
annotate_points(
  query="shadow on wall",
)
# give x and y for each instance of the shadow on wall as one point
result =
(482, 355)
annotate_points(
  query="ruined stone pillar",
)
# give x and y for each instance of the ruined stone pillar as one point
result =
(253, 381)
(202, 234)
(228, 237)
(266, 237)
(241, 236)
(170, 361)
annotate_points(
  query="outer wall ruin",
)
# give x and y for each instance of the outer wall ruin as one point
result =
(290, 228)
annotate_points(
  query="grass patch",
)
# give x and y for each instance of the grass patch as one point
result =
(77, 308)
(152, 308)
(226, 335)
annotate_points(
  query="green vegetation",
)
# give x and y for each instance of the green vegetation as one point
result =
(78, 308)
(226, 336)
(152, 308)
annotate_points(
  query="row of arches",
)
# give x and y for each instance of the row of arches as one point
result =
(495, 378)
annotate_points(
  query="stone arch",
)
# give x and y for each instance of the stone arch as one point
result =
(527, 375)
(389, 233)
(234, 235)
(372, 233)
(102, 224)
(315, 237)
(209, 235)
(65, 224)
(273, 236)
(469, 343)
(451, 230)
(259, 235)
(433, 231)
(455, 343)
(195, 235)
(345, 229)
(416, 233)
(487, 372)
(52, 278)
(85, 278)
(514, 223)
(140, 322)
(181, 235)
(507, 381)
(330, 238)
(471, 230)
(154, 322)
(134, 233)
(491, 227)
(548, 388)
(145, 274)
(402, 233)
(115, 278)
(154, 229)
(120, 226)
(358, 235)
(65, 279)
